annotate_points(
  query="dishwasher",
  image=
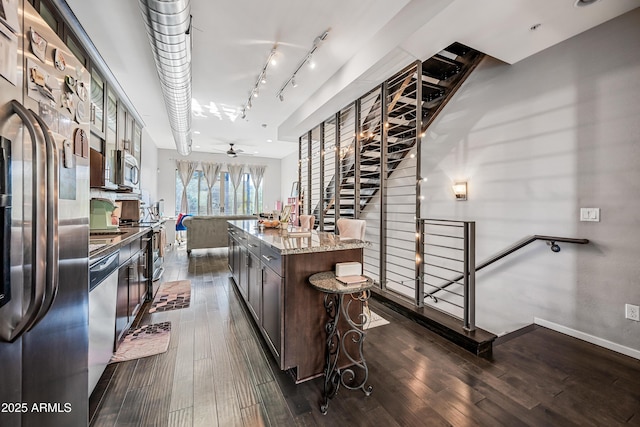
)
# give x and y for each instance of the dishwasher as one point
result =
(103, 288)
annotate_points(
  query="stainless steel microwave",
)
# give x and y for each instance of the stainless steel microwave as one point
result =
(129, 169)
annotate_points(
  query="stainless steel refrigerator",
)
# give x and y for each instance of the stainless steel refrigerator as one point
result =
(44, 209)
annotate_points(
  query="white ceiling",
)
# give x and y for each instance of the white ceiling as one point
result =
(368, 41)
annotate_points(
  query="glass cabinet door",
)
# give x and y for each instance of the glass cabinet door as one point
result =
(124, 130)
(97, 103)
(111, 138)
(137, 142)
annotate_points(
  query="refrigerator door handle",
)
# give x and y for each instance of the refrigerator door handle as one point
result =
(51, 206)
(38, 253)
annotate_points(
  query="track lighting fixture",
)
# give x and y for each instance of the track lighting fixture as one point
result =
(307, 59)
(281, 96)
(262, 79)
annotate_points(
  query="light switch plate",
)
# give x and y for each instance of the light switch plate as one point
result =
(590, 214)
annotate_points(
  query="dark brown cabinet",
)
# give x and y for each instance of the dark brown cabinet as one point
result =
(122, 303)
(271, 273)
(243, 279)
(132, 283)
(271, 320)
(254, 280)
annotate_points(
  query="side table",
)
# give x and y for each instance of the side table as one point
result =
(334, 303)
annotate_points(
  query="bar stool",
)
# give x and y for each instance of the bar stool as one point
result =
(352, 228)
(307, 221)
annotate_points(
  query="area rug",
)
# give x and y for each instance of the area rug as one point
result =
(144, 341)
(172, 296)
(374, 320)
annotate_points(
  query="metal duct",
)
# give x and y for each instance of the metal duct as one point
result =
(168, 24)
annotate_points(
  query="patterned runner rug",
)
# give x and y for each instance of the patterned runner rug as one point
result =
(144, 341)
(374, 319)
(172, 296)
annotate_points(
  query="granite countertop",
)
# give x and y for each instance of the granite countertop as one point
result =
(326, 282)
(298, 241)
(102, 244)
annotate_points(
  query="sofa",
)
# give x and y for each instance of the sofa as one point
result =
(205, 232)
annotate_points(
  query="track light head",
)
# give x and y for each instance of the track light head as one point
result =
(281, 97)
(293, 81)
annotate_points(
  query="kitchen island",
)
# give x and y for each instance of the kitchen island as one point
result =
(270, 268)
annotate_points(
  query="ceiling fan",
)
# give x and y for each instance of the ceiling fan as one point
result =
(233, 153)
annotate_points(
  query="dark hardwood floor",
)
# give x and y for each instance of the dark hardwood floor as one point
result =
(217, 372)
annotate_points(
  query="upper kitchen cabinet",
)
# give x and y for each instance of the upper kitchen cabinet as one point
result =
(97, 104)
(110, 141)
(124, 128)
(129, 132)
(137, 142)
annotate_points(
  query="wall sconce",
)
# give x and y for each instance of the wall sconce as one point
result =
(460, 190)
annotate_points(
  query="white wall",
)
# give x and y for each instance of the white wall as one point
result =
(536, 141)
(271, 187)
(149, 169)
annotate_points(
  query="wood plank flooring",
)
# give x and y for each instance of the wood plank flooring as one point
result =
(218, 372)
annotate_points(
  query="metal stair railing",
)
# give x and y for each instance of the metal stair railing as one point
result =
(448, 246)
(552, 241)
(446, 250)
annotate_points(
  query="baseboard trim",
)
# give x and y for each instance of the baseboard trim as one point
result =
(618, 348)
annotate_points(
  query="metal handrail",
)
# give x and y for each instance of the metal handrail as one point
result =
(551, 241)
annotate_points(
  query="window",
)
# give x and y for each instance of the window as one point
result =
(222, 196)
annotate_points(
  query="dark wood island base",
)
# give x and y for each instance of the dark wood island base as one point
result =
(271, 269)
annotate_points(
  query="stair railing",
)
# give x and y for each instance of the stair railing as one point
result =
(449, 246)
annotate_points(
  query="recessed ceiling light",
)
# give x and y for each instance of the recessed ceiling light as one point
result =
(269, 140)
(196, 146)
(584, 3)
(196, 132)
